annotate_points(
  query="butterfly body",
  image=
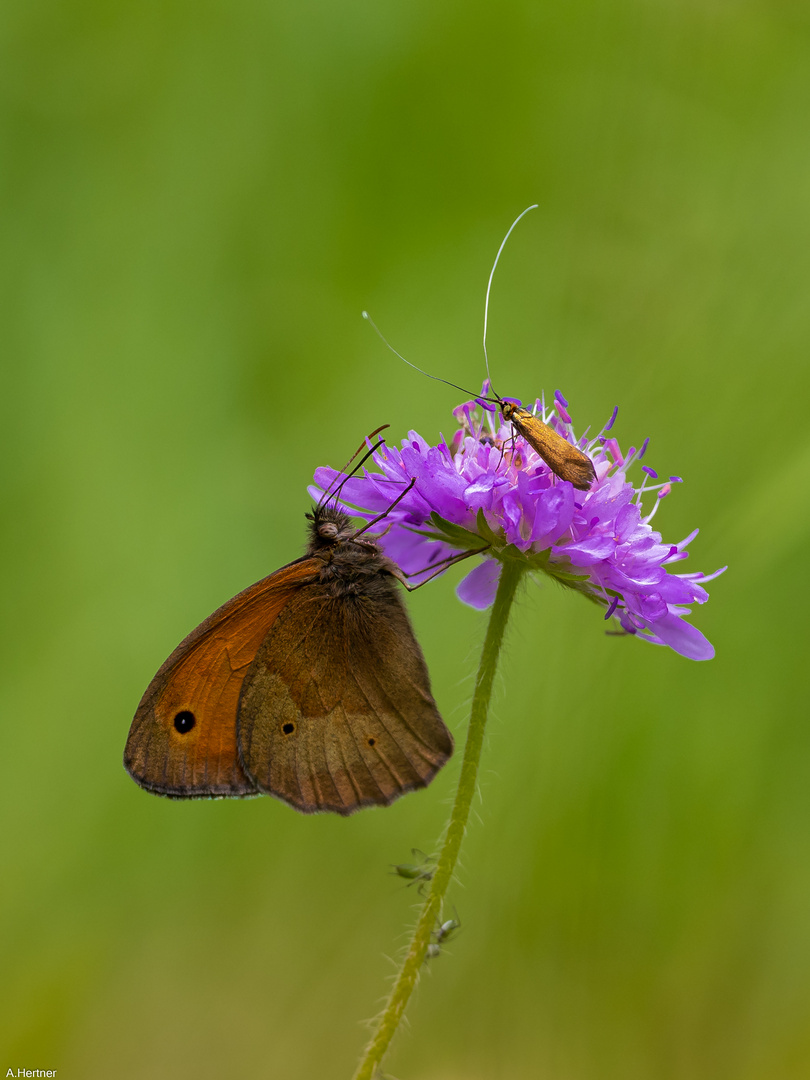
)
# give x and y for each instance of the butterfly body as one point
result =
(564, 459)
(309, 686)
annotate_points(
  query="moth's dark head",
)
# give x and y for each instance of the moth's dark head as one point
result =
(329, 526)
(508, 409)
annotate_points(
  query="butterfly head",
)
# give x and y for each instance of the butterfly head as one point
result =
(329, 527)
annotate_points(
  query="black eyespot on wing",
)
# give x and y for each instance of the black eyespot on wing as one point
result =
(371, 740)
(288, 728)
(184, 722)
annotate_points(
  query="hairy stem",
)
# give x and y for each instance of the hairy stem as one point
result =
(431, 912)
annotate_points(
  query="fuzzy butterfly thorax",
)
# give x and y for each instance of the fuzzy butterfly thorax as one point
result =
(353, 566)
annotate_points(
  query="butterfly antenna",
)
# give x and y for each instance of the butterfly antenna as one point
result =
(348, 475)
(358, 466)
(489, 284)
(384, 340)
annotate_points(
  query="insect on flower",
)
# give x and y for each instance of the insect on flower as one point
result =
(526, 487)
(469, 493)
(563, 458)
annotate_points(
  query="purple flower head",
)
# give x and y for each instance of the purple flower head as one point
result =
(487, 491)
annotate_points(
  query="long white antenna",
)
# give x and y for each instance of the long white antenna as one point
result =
(492, 274)
(436, 378)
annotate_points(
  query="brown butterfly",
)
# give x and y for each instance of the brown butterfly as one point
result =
(309, 686)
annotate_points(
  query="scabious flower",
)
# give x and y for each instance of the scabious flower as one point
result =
(487, 491)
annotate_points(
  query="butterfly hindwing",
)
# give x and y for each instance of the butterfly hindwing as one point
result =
(336, 710)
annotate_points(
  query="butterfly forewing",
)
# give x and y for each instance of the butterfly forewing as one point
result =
(336, 710)
(182, 741)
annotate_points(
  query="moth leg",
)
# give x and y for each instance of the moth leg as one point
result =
(512, 439)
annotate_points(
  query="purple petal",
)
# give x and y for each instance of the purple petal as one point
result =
(478, 588)
(587, 552)
(413, 553)
(627, 521)
(682, 637)
(678, 590)
(360, 492)
(512, 513)
(616, 578)
(315, 493)
(650, 606)
(479, 493)
(703, 578)
(553, 516)
(609, 498)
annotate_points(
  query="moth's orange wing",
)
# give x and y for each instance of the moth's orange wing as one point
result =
(336, 711)
(564, 459)
(182, 742)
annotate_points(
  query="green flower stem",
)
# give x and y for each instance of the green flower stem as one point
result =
(408, 976)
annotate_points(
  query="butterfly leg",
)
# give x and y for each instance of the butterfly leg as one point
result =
(438, 568)
(388, 509)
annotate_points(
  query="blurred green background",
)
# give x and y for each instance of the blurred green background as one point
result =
(198, 200)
